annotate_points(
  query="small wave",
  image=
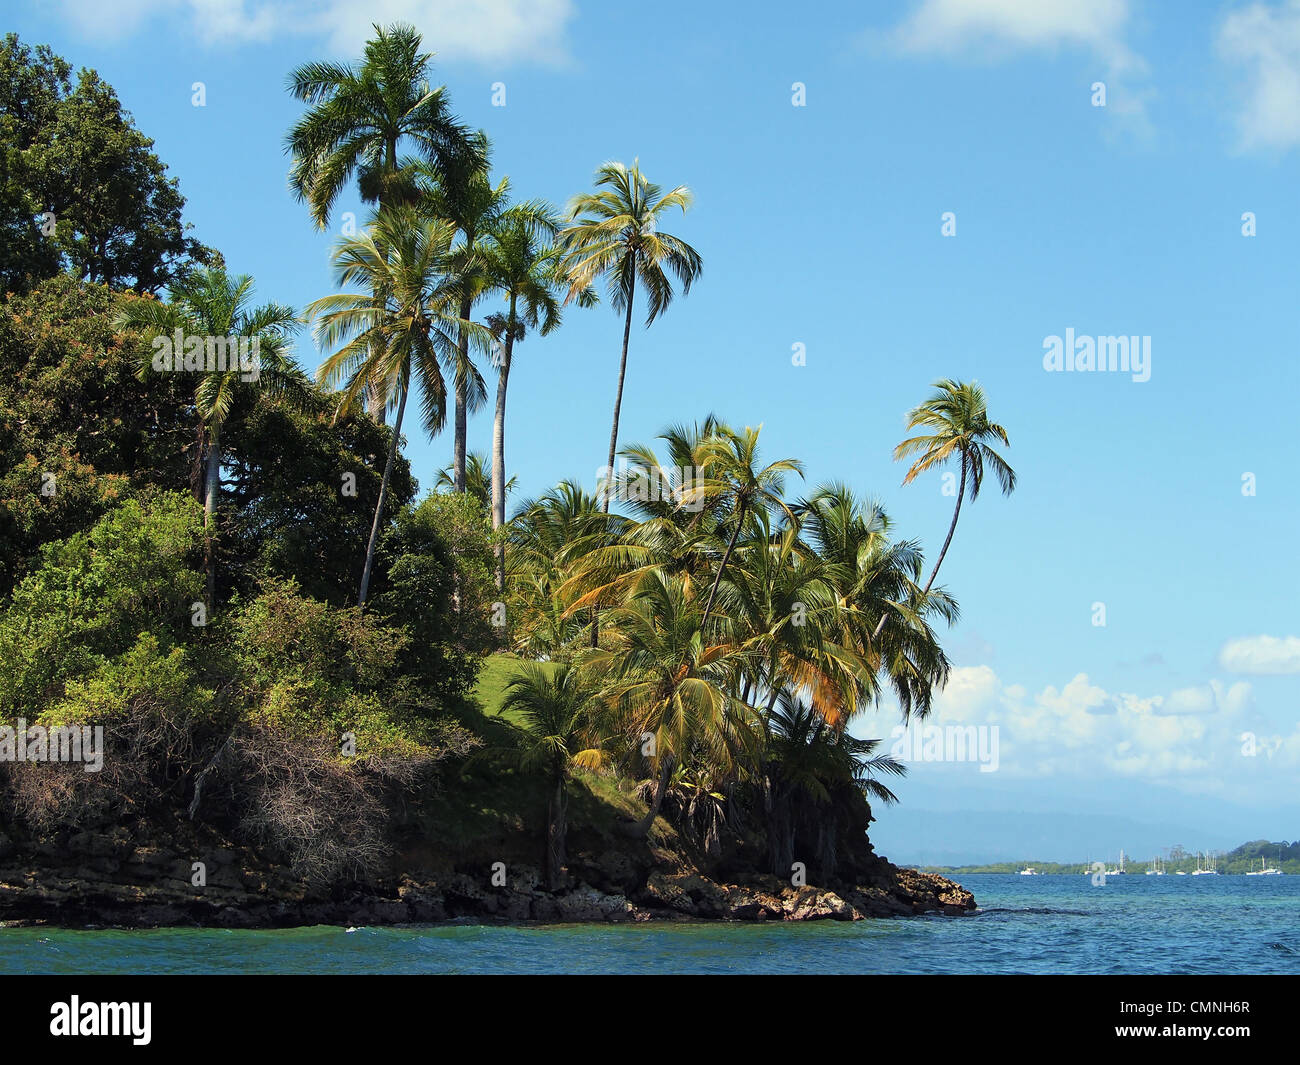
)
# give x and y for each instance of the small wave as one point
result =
(1040, 911)
(1284, 948)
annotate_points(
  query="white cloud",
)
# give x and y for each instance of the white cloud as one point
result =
(955, 25)
(1191, 737)
(1001, 27)
(488, 32)
(1261, 655)
(1264, 41)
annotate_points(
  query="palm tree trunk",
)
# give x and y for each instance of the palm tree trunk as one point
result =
(556, 830)
(211, 497)
(642, 828)
(726, 556)
(961, 493)
(383, 493)
(462, 402)
(499, 449)
(618, 397)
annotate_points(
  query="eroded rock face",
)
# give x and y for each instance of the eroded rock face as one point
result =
(113, 878)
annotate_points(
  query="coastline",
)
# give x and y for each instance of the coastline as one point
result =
(93, 880)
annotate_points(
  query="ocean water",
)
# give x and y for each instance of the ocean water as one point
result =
(1025, 924)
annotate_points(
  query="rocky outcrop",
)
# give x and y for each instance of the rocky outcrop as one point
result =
(189, 875)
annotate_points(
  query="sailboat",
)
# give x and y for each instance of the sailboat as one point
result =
(1206, 869)
(1121, 871)
(1155, 869)
(1265, 871)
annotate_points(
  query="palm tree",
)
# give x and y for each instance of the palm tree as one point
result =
(360, 119)
(664, 680)
(731, 465)
(957, 415)
(813, 776)
(521, 265)
(209, 305)
(404, 328)
(554, 711)
(614, 233)
(465, 196)
(478, 479)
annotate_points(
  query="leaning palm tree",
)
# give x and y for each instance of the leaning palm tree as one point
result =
(614, 234)
(213, 308)
(360, 119)
(958, 419)
(402, 330)
(554, 710)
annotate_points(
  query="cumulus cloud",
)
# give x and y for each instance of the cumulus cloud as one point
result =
(1008, 27)
(957, 25)
(1263, 42)
(483, 31)
(1192, 737)
(1261, 655)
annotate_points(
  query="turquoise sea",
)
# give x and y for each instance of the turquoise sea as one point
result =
(1038, 924)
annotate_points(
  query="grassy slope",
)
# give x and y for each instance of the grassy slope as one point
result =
(490, 813)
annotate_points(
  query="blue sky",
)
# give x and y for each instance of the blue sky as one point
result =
(821, 225)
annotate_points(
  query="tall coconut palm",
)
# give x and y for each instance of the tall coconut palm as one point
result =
(464, 195)
(402, 330)
(956, 414)
(210, 307)
(555, 710)
(520, 264)
(360, 120)
(614, 234)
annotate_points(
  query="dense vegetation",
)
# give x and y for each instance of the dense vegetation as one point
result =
(237, 576)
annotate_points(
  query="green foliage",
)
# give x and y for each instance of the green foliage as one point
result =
(72, 408)
(74, 152)
(436, 581)
(94, 593)
(144, 675)
(299, 495)
(308, 669)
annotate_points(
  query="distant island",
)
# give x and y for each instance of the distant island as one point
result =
(1246, 858)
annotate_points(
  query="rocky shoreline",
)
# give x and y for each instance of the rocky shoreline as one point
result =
(111, 880)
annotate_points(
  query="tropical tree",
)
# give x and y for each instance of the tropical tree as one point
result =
(731, 468)
(478, 479)
(614, 234)
(555, 710)
(401, 331)
(814, 779)
(521, 265)
(465, 196)
(212, 313)
(549, 536)
(956, 414)
(671, 689)
(360, 120)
